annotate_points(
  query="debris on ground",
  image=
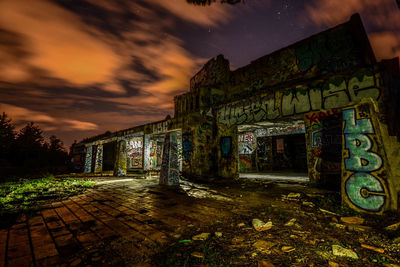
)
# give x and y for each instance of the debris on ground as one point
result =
(201, 237)
(352, 220)
(260, 225)
(344, 252)
(291, 222)
(379, 250)
(393, 227)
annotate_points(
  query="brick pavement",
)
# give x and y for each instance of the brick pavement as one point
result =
(130, 217)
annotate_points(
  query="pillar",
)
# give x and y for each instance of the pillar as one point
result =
(88, 159)
(98, 167)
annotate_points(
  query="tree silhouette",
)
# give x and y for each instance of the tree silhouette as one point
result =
(7, 138)
(30, 147)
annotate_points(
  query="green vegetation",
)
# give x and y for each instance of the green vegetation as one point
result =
(26, 195)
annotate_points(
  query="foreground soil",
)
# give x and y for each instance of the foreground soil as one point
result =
(135, 222)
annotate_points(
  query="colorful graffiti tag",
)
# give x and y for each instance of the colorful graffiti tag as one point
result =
(135, 152)
(363, 165)
(333, 93)
(88, 159)
(165, 160)
(122, 158)
(98, 167)
(173, 170)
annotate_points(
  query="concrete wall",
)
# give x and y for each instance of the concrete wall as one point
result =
(368, 179)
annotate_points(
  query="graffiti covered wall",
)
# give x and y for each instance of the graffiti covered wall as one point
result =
(88, 159)
(121, 168)
(334, 92)
(98, 167)
(134, 151)
(365, 173)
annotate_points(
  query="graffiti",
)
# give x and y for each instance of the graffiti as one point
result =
(98, 167)
(247, 144)
(88, 159)
(334, 93)
(248, 137)
(122, 158)
(187, 147)
(169, 173)
(165, 160)
(135, 152)
(160, 127)
(245, 163)
(363, 189)
(173, 170)
(226, 146)
(318, 117)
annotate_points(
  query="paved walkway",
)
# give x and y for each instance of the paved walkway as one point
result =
(128, 218)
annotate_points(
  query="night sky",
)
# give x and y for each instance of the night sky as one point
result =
(80, 68)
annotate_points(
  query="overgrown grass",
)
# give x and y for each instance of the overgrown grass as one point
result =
(28, 194)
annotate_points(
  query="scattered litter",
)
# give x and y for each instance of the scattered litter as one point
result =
(260, 225)
(287, 249)
(344, 252)
(263, 245)
(329, 212)
(291, 196)
(264, 263)
(202, 236)
(291, 222)
(352, 220)
(379, 250)
(308, 204)
(338, 225)
(393, 227)
(197, 254)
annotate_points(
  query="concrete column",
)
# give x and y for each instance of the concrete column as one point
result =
(169, 173)
(98, 167)
(88, 159)
(121, 162)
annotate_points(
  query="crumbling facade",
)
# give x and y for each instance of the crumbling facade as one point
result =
(323, 106)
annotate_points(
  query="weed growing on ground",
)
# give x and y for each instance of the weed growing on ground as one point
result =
(25, 195)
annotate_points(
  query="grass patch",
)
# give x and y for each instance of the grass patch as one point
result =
(28, 194)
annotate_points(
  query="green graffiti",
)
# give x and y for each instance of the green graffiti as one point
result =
(361, 159)
(362, 188)
(365, 191)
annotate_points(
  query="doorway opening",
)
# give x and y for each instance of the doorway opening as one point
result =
(273, 150)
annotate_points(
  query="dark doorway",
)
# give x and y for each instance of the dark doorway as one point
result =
(109, 156)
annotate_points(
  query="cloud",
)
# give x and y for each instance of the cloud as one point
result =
(381, 20)
(58, 42)
(98, 65)
(81, 125)
(21, 115)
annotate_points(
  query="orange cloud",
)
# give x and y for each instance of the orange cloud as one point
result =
(81, 125)
(60, 43)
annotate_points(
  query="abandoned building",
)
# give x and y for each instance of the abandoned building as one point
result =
(322, 106)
